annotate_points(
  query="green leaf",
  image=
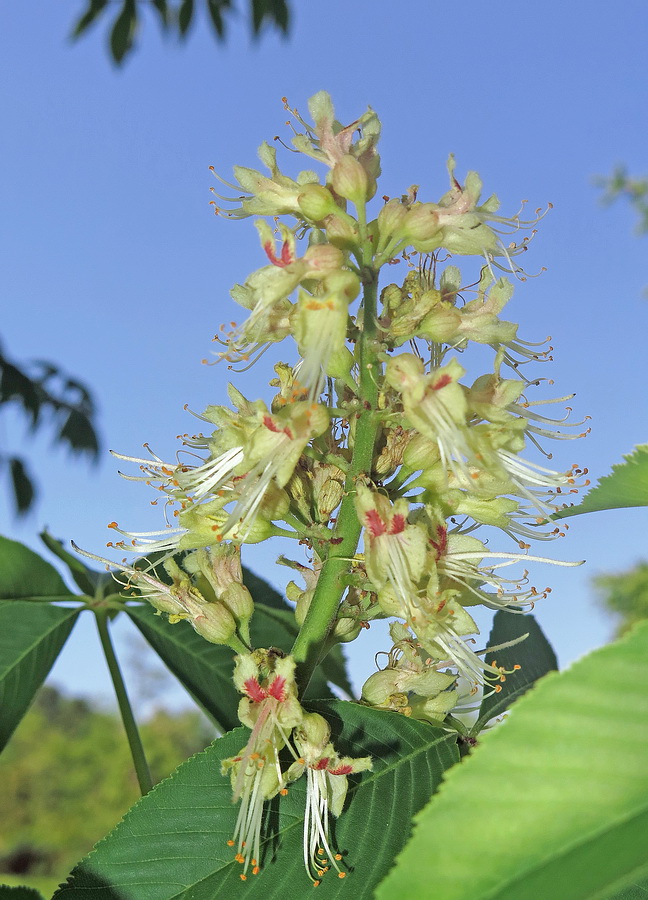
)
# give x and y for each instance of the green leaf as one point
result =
(78, 431)
(215, 8)
(24, 575)
(626, 485)
(262, 591)
(534, 655)
(89, 581)
(123, 31)
(19, 892)
(16, 385)
(31, 637)
(23, 487)
(185, 16)
(636, 890)
(333, 666)
(173, 843)
(281, 14)
(163, 11)
(204, 669)
(553, 803)
(95, 7)
(258, 15)
(274, 10)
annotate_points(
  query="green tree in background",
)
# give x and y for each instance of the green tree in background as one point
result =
(176, 18)
(67, 778)
(625, 595)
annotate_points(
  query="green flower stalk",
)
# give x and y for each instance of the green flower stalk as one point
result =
(382, 462)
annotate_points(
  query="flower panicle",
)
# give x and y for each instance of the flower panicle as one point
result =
(378, 455)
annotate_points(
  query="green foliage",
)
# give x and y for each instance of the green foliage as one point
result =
(174, 842)
(45, 393)
(32, 632)
(31, 638)
(67, 777)
(24, 575)
(553, 804)
(625, 486)
(625, 595)
(177, 18)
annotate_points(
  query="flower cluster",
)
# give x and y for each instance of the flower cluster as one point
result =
(270, 708)
(383, 462)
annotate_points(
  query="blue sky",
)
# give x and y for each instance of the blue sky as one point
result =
(113, 265)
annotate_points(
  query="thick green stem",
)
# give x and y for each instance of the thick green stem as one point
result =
(132, 733)
(310, 641)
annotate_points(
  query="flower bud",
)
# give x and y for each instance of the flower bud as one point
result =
(390, 218)
(391, 296)
(441, 325)
(378, 690)
(303, 605)
(343, 282)
(428, 683)
(349, 180)
(323, 259)
(391, 447)
(298, 489)
(434, 708)
(238, 600)
(313, 730)
(340, 363)
(214, 622)
(346, 630)
(404, 372)
(316, 202)
(328, 490)
(420, 227)
(342, 231)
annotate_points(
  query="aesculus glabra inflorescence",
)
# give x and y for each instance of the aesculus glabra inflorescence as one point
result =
(378, 454)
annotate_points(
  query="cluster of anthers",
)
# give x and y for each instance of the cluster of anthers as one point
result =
(383, 462)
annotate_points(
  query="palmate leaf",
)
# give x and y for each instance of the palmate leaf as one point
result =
(24, 575)
(553, 804)
(31, 637)
(534, 656)
(177, 17)
(204, 669)
(32, 631)
(173, 843)
(625, 486)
